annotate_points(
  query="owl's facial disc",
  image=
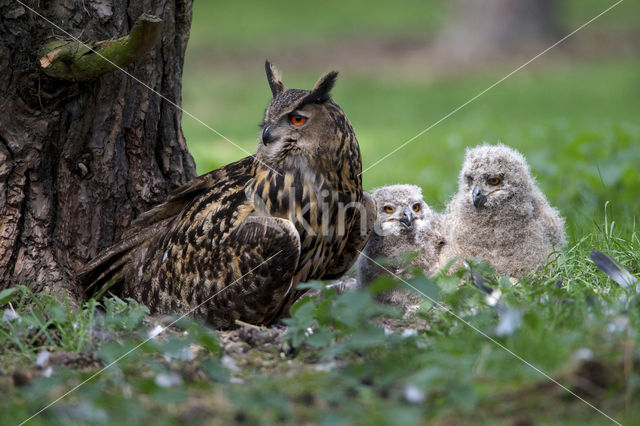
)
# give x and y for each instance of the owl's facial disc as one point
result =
(486, 199)
(287, 128)
(487, 191)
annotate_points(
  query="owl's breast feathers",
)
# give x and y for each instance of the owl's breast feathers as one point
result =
(321, 207)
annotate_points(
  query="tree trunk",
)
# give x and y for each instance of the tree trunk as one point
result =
(494, 29)
(80, 159)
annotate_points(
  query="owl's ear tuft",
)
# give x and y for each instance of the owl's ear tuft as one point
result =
(273, 77)
(321, 91)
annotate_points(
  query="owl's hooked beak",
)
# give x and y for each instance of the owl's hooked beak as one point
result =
(407, 218)
(478, 197)
(266, 136)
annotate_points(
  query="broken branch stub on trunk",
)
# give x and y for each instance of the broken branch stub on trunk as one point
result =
(77, 61)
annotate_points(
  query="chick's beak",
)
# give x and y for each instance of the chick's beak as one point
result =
(407, 218)
(478, 197)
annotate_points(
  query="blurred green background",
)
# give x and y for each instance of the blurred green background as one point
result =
(573, 112)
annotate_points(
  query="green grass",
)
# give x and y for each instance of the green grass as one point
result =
(34, 323)
(581, 332)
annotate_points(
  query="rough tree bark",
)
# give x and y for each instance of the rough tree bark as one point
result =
(494, 29)
(80, 160)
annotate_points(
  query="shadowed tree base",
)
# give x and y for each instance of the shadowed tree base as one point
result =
(80, 160)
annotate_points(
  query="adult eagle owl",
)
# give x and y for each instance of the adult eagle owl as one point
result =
(234, 243)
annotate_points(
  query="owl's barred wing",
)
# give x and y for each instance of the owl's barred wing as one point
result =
(182, 196)
(265, 253)
(105, 270)
(357, 238)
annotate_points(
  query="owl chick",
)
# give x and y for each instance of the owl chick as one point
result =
(233, 244)
(499, 215)
(405, 224)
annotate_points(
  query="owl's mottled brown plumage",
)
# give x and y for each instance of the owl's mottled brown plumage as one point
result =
(250, 231)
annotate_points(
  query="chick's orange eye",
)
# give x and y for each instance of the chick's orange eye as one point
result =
(494, 181)
(388, 209)
(297, 120)
(416, 207)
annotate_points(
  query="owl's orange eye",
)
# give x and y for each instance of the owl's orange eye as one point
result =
(494, 181)
(297, 120)
(388, 209)
(416, 207)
